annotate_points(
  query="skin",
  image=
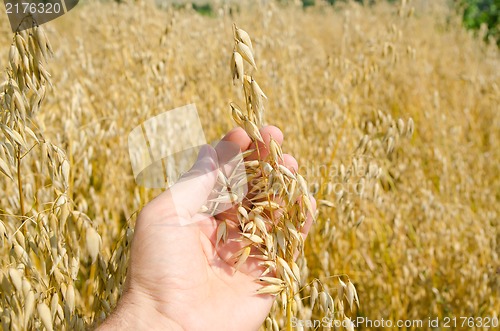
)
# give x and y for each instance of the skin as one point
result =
(177, 278)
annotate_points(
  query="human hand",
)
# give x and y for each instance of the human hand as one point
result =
(178, 277)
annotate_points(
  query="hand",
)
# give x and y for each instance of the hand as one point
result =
(177, 278)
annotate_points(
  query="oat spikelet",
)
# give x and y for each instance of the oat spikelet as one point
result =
(237, 69)
(93, 241)
(45, 315)
(243, 36)
(246, 53)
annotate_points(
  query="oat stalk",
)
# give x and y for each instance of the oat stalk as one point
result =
(276, 190)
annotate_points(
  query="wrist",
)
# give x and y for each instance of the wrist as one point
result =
(134, 312)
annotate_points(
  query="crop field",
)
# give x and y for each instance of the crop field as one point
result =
(391, 110)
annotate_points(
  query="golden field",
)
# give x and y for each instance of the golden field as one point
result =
(412, 218)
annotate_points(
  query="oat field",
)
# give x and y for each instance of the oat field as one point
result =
(391, 110)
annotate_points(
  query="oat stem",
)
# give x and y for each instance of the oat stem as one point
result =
(289, 311)
(19, 180)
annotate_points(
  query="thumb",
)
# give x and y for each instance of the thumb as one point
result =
(194, 187)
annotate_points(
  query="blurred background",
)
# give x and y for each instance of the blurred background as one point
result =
(390, 107)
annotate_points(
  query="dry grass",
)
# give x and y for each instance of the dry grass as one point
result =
(412, 219)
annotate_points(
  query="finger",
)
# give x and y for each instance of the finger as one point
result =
(231, 165)
(229, 155)
(238, 136)
(193, 189)
(267, 133)
(235, 141)
(290, 162)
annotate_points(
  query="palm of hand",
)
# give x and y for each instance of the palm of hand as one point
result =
(194, 282)
(182, 272)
